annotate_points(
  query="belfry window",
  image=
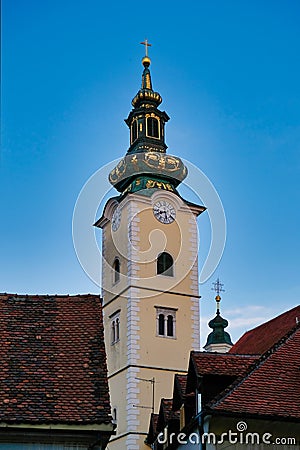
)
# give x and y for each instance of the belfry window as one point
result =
(170, 326)
(134, 131)
(152, 127)
(165, 264)
(114, 416)
(115, 327)
(161, 325)
(166, 322)
(116, 268)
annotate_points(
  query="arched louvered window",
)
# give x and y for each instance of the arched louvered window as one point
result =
(116, 267)
(152, 127)
(165, 264)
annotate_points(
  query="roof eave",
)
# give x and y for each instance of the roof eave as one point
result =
(105, 427)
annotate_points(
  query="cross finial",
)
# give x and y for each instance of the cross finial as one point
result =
(146, 44)
(218, 287)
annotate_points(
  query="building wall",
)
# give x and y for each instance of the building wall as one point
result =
(141, 354)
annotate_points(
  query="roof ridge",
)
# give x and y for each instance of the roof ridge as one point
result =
(223, 355)
(253, 367)
(270, 320)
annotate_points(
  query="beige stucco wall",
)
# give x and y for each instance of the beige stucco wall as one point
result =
(141, 353)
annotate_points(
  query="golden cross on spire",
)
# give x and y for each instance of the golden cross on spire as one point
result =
(146, 44)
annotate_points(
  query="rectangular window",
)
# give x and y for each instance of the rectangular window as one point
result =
(166, 322)
(115, 327)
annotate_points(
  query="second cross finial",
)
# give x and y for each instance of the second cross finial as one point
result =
(218, 287)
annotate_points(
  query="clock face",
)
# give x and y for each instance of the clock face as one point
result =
(164, 211)
(116, 219)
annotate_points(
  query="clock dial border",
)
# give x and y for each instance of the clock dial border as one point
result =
(164, 211)
(116, 219)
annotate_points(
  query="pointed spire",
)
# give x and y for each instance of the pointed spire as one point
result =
(146, 95)
(146, 61)
(146, 77)
(146, 165)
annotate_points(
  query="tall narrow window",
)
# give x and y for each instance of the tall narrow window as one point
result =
(113, 332)
(115, 326)
(152, 127)
(170, 326)
(134, 131)
(165, 264)
(116, 267)
(114, 415)
(161, 324)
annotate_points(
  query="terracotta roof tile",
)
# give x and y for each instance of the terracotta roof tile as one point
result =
(52, 360)
(179, 391)
(152, 432)
(221, 363)
(165, 413)
(166, 405)
(181, 383)
(272, 387)
(263, 337)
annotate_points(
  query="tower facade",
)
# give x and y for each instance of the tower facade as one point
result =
(149, 272)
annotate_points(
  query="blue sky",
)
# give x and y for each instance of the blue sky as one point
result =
(228, 72)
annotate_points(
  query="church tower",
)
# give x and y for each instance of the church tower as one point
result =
(218, 340)
(149, 272)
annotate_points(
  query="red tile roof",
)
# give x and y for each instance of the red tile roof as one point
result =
(179, 391)
(154, 419)
(52, 360)
(166, 408)
(221, 363)
(166, 413)
(272, 387)
(263, 337)
(180, 380)
(152, 433)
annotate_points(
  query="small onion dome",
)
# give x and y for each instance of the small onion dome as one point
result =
(146, 96)
(218, 335)
(218, 321)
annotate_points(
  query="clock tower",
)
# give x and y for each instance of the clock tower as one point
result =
(149, 272)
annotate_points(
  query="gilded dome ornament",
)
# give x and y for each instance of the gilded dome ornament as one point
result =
(146, 159)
